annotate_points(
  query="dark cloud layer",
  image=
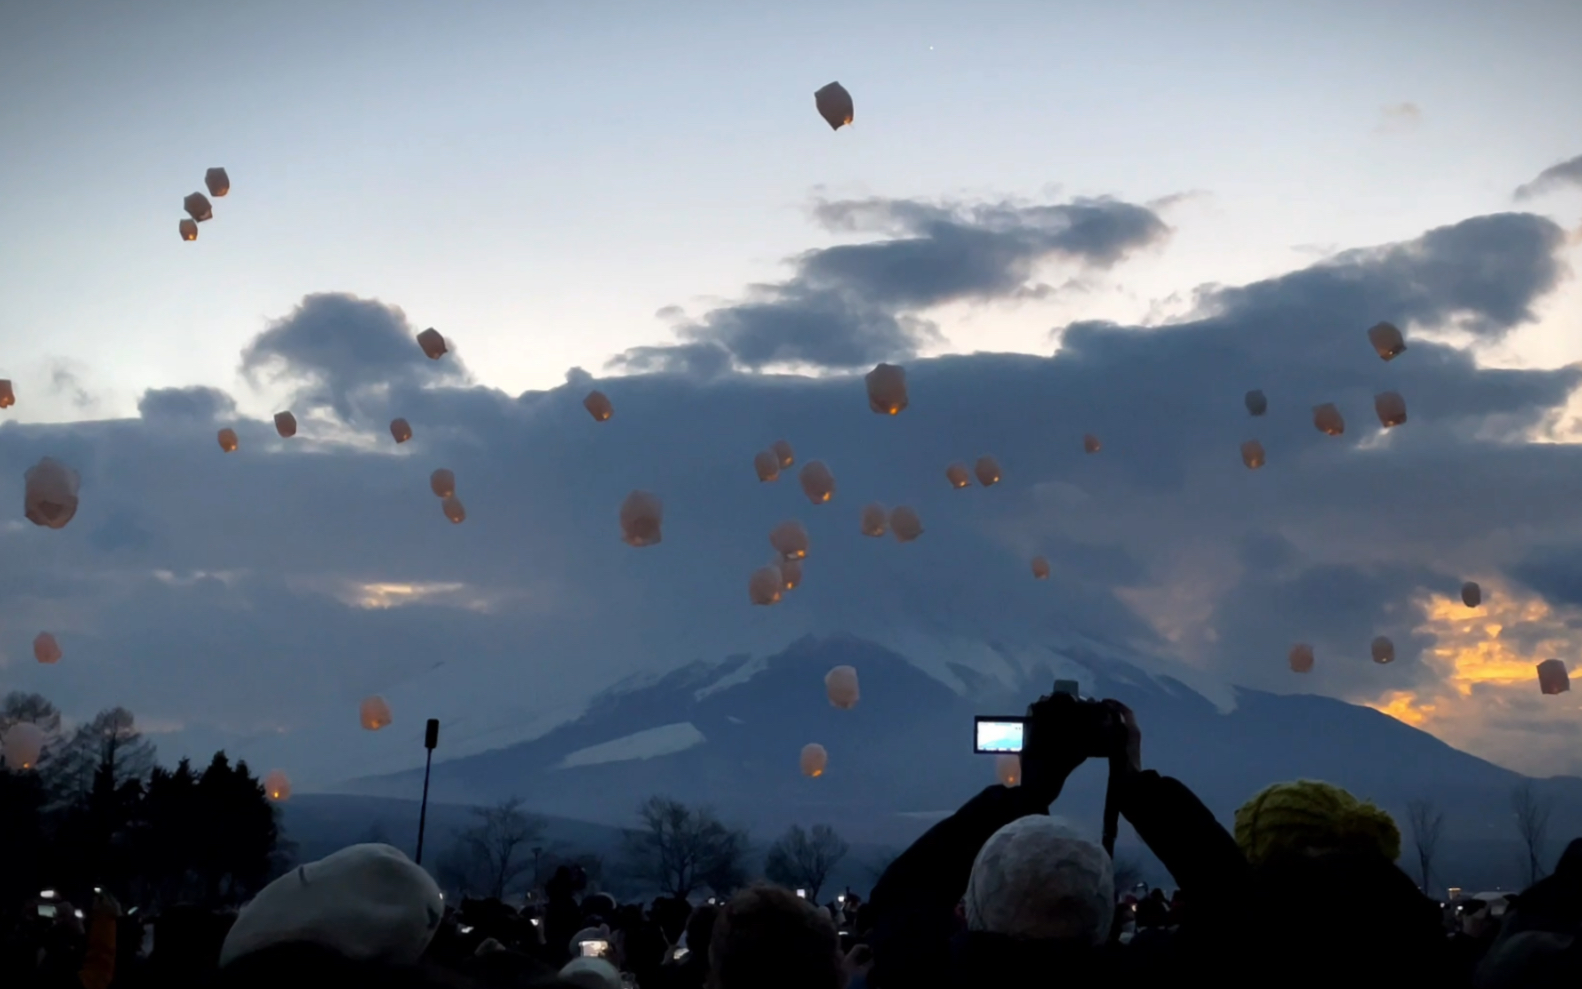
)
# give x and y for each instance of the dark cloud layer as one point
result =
(197, 404)
(1554, 177)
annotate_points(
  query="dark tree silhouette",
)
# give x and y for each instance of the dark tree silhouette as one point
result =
(1426, 822)
(678, 849)
(801, 858)
(1532, 826)
(493, 855)
(109, 743)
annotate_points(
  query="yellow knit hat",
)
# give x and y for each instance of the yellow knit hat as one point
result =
(1306, 815)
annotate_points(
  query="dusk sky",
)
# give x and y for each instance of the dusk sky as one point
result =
(1129, 213)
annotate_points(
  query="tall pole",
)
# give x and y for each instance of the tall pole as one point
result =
(430, 739)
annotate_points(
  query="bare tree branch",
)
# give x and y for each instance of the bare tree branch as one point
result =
(679, 848)
(1532, 825)
(1426, 822)
(801, 859)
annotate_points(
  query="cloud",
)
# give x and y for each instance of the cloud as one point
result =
(856, 304)
(64, 382)
(1399, 118)
(1554, 177)
(196, 404)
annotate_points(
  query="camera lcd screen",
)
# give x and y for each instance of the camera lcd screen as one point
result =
(595, 948)
(998, 735)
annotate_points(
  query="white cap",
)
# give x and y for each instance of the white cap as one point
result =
(1035, 878)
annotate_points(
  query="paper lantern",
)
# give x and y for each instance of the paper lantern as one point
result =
(1383, 650)
(1008, 769)
(401, 430)
(875, 519)
(887, 389)
(1391, 408)
(791, 574)
(642, 517)
(285, 424)
(767, 465)
(374, 713)
(217, 182)
(988, 471)
(1040, 568)
(598, 405)
(453, 509)
(1301, 658)
(783, 450)
(1091, 444)
(227, 439)
(50, 493)
(442, 482)
(789, 539)
(834, 105)
(1326, 418)
(1471, 594)
(841, 686)
(958, 476)
(1386, 339)
(817, 482)
(433, 344)
(1552, 677)
(21, 745)
(905, 525)
(7, 395)
(765, 585)
(276, 785)
(197, 207)
(1256, 403)
(46, 649)
(188, 229)
(814, 759)
(1252, 454)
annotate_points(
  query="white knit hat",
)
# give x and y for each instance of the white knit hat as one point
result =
(1035, 878)
(368, 902)
(591, 973)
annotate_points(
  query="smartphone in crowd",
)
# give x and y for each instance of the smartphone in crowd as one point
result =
(802, 893)
(596, 948)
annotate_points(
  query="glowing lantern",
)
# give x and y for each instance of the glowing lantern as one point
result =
(958, 476)
(217, 181)
(1008, 769)
(988, 471)
(453, 509)
(817, 482)
(1252, 454)
(442, 482)
(277, 786)
(1256, 404)
(765, 585)
(1091, 444)
(188, 230)
(789, 539)
(814, 759)
(783, 450)
(285, 424)
(598, 405)
(642, 515)
(875, 519)
(50, 496)
(767, 465)
(905, 525)
(374, 713)
(1386, 339)
(1040, 568)
(887, 389)
(841, 686)
(197, 207)
(1471, 594)
(46, 649)
(227, 438)
(432, 343)
(1552, 677)
(791, 573)
(834, 105)
(401, 430)
(1391, 408)
(1301, 658)
(1326, 418)
(1383, 650)
(21, 745)
(7, 395)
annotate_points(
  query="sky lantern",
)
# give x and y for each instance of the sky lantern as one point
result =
(791, 574)
(1327, 420)
(21, 745)
(227, 439)
(374, 713)
(887, 389)
(401, 430)
(276, 785)
(1257, 404)
(1040, 568)
(789, 539)
(188, 229)
(904, 524)
(988, 471)
(813, 760)
(432, 343)
(840, 684)
(642, 515)
(7, 394)
(767, 465)
(1387, 340)
(834, 105)
(46, 649)
(285, 424)
(598, 405)
(875, 519)
(442, 482)
(453, 509)
(1252, 454)
(783, 450)
(50, 493)
(958, 476)
(765, 585)
(1091, 444)
(1008, 769)
(817, 482)
(217, 182)
(1301, 658)
(1552, 677)
(1391, 408)
(1383, 650)
(1471, 594)
(197, 207)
